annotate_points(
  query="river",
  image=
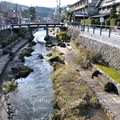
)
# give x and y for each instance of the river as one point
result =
(35, 93)
(33, 99)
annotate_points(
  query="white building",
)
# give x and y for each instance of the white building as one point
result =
(84, 7)
(104, 6)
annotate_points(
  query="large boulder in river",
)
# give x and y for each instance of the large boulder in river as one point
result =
(63, 45)
(40, 56)
(47, 37)
(25, 52)
(56, 59)
(21, 72)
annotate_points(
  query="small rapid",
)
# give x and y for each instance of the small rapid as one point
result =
(35, 93)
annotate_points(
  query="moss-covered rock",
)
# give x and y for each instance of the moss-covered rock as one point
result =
(56, 59)
(10, 86)
(7, 50)
(21, 72)
(33, 43)
(25, 52)
(49, 54)
(47, 38)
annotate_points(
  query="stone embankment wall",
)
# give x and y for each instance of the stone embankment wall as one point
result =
(4, 34)
(110, 53)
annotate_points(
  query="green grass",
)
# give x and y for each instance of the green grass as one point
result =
(110, 72)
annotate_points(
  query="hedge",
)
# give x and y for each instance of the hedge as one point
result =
(113, 22)
(88, 21)
(107, 22)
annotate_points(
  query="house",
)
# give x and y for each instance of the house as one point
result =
(14, 17)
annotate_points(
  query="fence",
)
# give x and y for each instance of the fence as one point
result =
(96, 29)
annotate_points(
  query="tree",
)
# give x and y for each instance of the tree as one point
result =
(25, 14)
(32, 13)
(119, 14)
(113, 12)
(69, 16)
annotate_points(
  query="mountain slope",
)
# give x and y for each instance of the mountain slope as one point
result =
(43, 11)
(40, 11)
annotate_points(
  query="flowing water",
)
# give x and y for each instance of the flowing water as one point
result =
(35, 93)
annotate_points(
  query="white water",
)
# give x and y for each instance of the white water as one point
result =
(35, 93)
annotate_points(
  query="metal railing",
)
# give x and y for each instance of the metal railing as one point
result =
(4, 27)
(104, 30)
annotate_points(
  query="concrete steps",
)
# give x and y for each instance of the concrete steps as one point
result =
(101, 80)
(110, 102)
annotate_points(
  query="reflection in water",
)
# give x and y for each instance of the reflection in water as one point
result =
(33, 99)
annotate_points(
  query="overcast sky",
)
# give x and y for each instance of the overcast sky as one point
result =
(45, 3)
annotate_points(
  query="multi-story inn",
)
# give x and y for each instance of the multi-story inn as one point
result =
(84, 7)
(95, 8)
(104, 6)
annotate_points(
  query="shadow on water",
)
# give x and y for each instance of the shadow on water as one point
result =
(35, 93)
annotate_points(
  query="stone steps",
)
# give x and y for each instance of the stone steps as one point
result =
(101, 80)
(110, 102)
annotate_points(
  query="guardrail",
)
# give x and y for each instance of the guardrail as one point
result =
(96, 29)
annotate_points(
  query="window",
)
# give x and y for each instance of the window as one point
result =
(109, 1)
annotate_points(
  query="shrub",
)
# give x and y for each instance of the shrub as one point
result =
(77, 43)
(107, 22)
(88, 21)
(9, 40)
(113, 22)
(62, 36)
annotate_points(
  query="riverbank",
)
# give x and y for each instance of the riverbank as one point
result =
(4, 60)
(74, 99)
(35, 93)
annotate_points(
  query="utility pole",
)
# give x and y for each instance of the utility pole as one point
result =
(16, 14)
(59, 9)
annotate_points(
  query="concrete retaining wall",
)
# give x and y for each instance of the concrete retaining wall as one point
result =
(110, 52)
(4, 34)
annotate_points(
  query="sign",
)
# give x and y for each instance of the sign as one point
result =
(102, 20)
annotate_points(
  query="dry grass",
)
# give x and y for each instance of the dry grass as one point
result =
(70, 93)
(86, 54)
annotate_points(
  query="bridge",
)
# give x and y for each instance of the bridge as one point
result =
(37, 25)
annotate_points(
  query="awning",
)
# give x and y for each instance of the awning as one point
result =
(100, 15)
(80, 15)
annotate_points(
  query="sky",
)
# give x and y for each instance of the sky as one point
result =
(44, 3)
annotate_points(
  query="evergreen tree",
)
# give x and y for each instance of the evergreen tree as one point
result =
(113, 12)
(119, 14)
(69, 16)
(32, 13)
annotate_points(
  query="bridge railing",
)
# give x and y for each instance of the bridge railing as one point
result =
(102, 30)
(3, 27)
